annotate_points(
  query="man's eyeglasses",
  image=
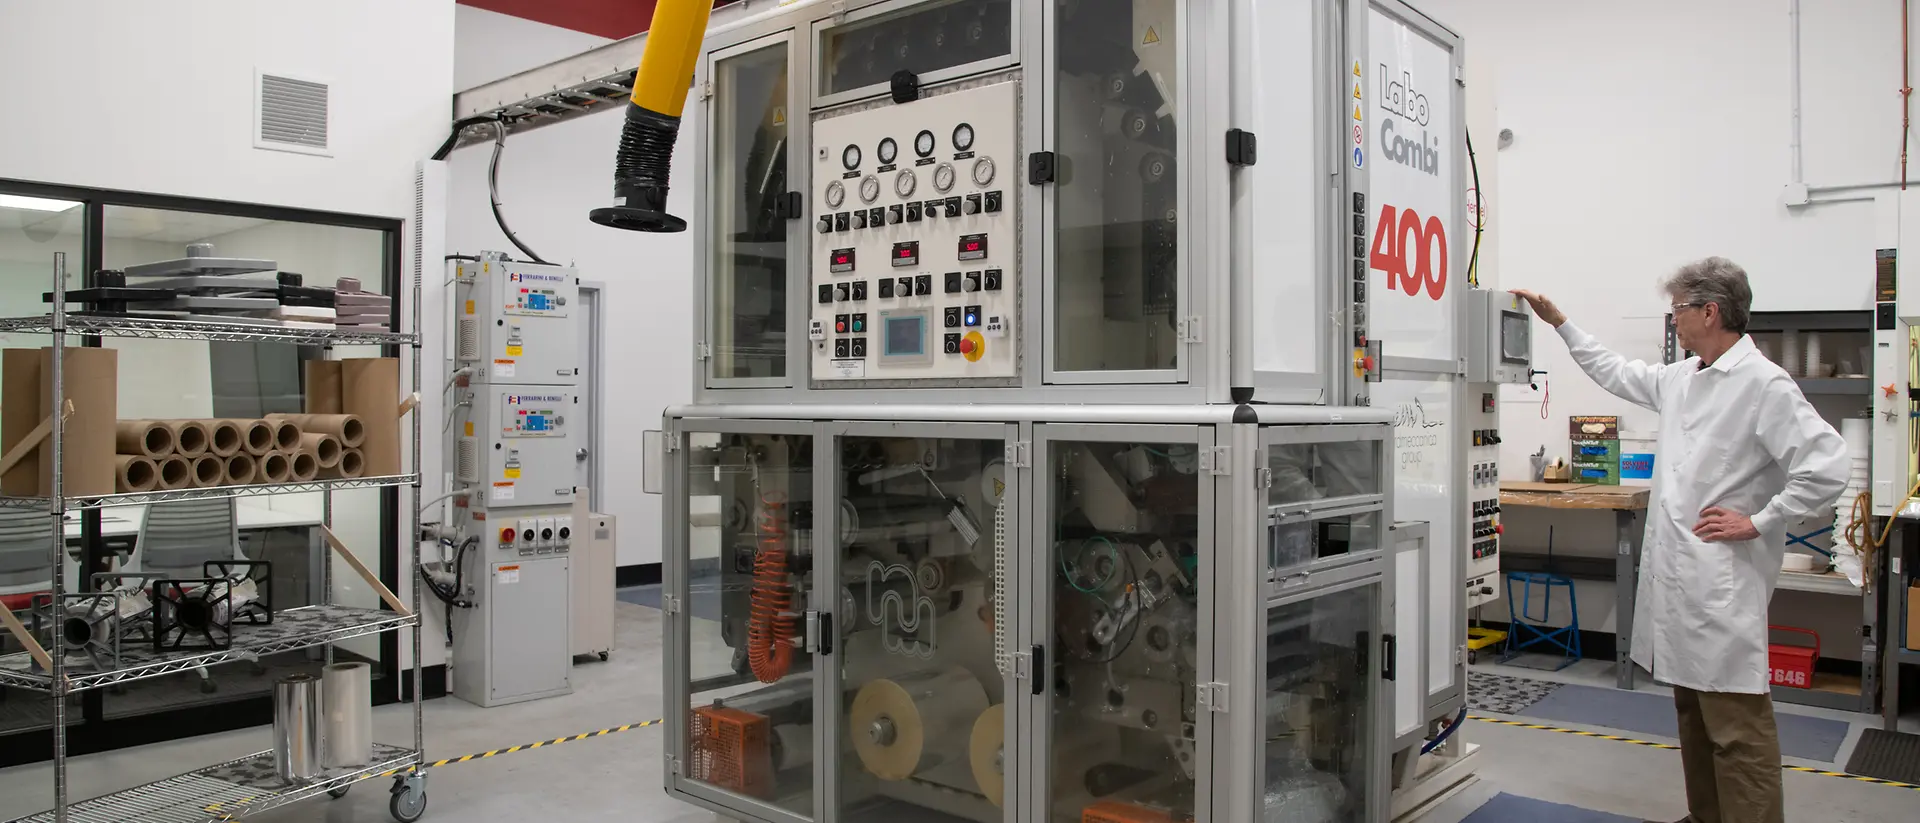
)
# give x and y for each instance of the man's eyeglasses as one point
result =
(1678, 306)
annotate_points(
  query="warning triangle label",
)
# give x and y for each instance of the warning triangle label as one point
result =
(780, 112)
(1356, 111)
(1356, 68)
(1356, 91)
(1150, 38)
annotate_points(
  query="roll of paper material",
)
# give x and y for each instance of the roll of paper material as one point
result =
(325, 448)
(1858, 432)
(916, 723)
(190, 437)
(89, 378)
(1790, 358)
(224, 438)
(20, 415)
(272, 467)
(323, 387)
(286, 434)
(347, 696)
(147, 438)
(298, 736)
(352, 464)
(1815, 359)
(371, 389)
(985, 752)
(302, 467)
(241, 469)
(348, 429)
(256, 436)
(792, 746)
(176, 473)
(208, 471)
(134, 473)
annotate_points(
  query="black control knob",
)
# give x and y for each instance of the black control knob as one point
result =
(1486, 590)
(953, 207)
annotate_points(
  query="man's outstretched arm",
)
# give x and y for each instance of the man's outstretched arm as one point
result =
(1634, 381)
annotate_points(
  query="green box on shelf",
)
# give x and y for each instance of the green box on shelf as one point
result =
(1598, 474)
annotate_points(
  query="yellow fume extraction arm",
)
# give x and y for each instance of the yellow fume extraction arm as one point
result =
(653, 118)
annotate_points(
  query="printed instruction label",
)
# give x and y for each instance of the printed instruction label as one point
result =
(849, 368)
(503, 368)
(507, 575)
(515, 351)
(501, 492)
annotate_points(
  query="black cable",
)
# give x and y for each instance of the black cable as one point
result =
(493, 193)
(458, 127)
(467, 257)
(1479, 214)
(1133, 588)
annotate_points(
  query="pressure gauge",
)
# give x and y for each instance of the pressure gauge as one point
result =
(904, 183)
(963, 137)
(943, 177)
(923, 143)
(869, 189)
(850, 157)
(983, 171)
(836, 194)
(888, 150)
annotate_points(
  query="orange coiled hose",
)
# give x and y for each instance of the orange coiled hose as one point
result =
(769, 628)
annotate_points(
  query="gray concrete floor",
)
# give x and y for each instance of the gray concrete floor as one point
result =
(617, 777)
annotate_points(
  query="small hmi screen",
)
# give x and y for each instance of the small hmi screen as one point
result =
(1514, 330)
(906, 335)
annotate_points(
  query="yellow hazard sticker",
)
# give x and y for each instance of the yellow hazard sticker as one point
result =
(1150, 38)
(469, 428)
(513, 474)
(469, 306)
(513, 351)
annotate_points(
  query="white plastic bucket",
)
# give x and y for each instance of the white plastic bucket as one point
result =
(1637, 453)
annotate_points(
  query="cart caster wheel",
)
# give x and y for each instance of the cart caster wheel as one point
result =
(408, 805)
(1473, 657)
(340, 792)
(604, 656)
(208, 687)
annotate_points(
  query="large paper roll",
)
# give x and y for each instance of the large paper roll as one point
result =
(89, 378)
(986, 752)
(273, 467)
(286, 434)
(302, 467)
(176, 473)
(208, 471)
(256, 436)
(240, 469)
(134, 473)
(352, 464)
(347, 696)
(21, 410)
(147, 438)
(298, 745)
(1858, 432)
(916, 723)
(346, 427)
(224, 437)
(792, 746)
(323, 387)
(371, 389)
(325, 449)
(190, 437)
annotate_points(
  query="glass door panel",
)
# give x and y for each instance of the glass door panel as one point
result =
(1321, 709)
(921, 697)
(748, 578)
(749, 236)
(1123, 531)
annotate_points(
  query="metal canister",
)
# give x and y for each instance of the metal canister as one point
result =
(297, 738)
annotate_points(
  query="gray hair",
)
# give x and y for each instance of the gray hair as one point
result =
(1719, 281)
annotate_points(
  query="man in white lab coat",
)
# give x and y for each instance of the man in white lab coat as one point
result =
(1742, 454)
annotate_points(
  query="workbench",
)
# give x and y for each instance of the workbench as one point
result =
(1626, 503)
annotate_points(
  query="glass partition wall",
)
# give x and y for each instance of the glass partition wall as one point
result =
(196, 379)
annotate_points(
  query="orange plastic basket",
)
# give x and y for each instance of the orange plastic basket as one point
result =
(730, 751)
(1107, 811)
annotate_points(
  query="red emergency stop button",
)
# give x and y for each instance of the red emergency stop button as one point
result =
(506, 535)
(966, 346)
(840, 326)
(1367, 362)
(1499, 529)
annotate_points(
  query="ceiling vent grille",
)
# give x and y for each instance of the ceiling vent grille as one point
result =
(292, 114)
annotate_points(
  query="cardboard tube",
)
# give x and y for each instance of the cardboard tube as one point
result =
(352, 464)
(147, 438)
(240, 469)
(190, 437)
(345, 427)
(208, 471)
(325, 449)
(302, 467)
(134, 473)
(19, 414)
(323, 387)
(256, 436)
(90, 378)
(372, 393)
(176, 473)
(224, 437)
(286, 434)
(273, 467)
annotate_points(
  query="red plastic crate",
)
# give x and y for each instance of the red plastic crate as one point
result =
(1792, 666)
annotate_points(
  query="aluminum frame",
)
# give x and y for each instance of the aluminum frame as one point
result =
(820, 27)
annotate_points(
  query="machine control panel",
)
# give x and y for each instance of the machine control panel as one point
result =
(514, 322)
(916, 185)
(1483, 582)
(1499, 338)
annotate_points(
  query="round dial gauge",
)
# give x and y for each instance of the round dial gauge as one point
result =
(983, 171)
(888, 150)
(836, 194)
(963, 137)
(923, 143)
(850, 156)
(943, 176)
(904, 183)
(869, 189)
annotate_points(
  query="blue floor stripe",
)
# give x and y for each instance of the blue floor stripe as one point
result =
(1808, 738)
(1511, 808)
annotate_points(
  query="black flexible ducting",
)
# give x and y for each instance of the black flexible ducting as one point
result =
(1446, 732)
(493, 194)
(640, 172)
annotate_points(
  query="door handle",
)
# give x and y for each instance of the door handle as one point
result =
(1039, 670)
(826, 633)
(580, 454)
(1390, 648)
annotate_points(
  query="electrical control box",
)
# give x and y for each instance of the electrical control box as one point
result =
(526, 443)
(915, 249)
(514, 322)
(1499, 338)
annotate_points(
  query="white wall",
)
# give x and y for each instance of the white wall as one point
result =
(1649, 134)
(549, 179)
(489, 45)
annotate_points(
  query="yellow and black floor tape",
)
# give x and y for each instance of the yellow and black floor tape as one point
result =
(526, 747)
(1652, 745)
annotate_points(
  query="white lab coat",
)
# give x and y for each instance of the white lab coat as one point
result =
(1737, 434)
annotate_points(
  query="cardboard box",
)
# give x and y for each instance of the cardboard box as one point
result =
(1913, 616)
(90, 380)
(1598, 474)
(1593, 451)
(1593, 427)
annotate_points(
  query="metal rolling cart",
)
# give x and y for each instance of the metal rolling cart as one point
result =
(248, 785)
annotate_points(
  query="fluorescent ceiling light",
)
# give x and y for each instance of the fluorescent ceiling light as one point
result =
(14, 201)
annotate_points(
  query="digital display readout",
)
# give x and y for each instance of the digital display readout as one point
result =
(840, 261)
(973, 247)
(906, 253)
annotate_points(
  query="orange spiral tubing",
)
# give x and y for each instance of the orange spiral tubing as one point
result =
(769, 630)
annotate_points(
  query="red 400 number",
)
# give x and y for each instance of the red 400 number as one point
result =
(1400, 236)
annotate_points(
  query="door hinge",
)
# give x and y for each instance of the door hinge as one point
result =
(1460, 76)
(1019, 454)
(706, 90)
(670, 604)
(1459, 655)
(1190, 329)
(673, 765)
(1022, 665)
(1212, 697)
(1242, 148)
(1263, 478)
(702, 351)
(1214, 460)
(1042, 167)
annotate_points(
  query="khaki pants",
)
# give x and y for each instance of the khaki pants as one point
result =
(1730, 749)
